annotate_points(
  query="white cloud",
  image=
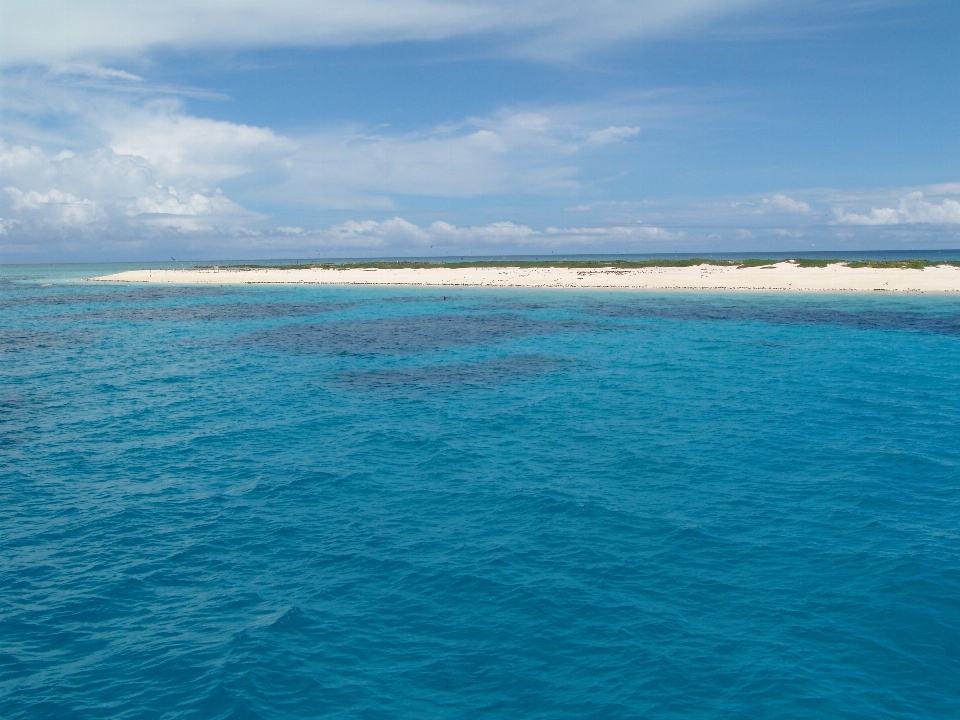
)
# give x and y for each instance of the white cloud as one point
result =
(944, 189)
(55, 206)
(399, 233)
(161, 168)
(612, 135)
(507, 153)
(399, 236)
(612, 211)
(105, 189)
(181, 147)
(514, 151)
(154, 171)
(164, 206)
(94, 71)
(51, 32)
(912, 208)
(877, 216)
(517, 150)
(783, 203)
(158, 167)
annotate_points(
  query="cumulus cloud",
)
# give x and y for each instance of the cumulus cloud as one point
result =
(912, 208)
(158, 169)
(877, 216)
(782, 203)
(201, 150)
(72, 191)
(55, 205)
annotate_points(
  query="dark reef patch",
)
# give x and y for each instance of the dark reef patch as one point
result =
(866, 319)
(213, 311)
(421, 299)
(488, 373)
(409, 334)
(84, 295)
(18, 340)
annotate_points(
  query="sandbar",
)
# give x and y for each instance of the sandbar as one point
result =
(780, 276)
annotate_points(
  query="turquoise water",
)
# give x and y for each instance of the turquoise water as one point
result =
(381, 502)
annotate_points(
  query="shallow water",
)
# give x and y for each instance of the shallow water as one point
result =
(293, 502)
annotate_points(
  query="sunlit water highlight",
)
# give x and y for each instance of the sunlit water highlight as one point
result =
(374, 502)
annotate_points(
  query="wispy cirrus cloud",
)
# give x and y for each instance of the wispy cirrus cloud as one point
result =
(49, 33)
(612, 134)
(510, 152)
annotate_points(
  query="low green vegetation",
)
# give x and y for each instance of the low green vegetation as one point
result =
(615, 264)
(904, 264)
(911, 264)
(813, 262)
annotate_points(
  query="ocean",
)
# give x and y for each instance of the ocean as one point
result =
(297, 502)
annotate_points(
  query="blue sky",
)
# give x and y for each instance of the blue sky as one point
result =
(333, 129)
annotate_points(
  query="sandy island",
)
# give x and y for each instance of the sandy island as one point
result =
(781, 276)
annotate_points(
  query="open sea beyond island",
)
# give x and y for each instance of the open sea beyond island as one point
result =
(284, 502)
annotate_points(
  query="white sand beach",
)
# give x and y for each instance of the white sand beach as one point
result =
(781, 276)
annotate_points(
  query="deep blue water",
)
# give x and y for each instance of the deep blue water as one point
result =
(358, 502)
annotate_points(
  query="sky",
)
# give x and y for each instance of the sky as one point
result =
(371, 128)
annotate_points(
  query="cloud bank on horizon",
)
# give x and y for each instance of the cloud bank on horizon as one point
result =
(341, 129)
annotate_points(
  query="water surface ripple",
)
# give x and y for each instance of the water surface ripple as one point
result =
(372, 502)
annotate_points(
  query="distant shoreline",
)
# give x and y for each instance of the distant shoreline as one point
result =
(800, 275)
